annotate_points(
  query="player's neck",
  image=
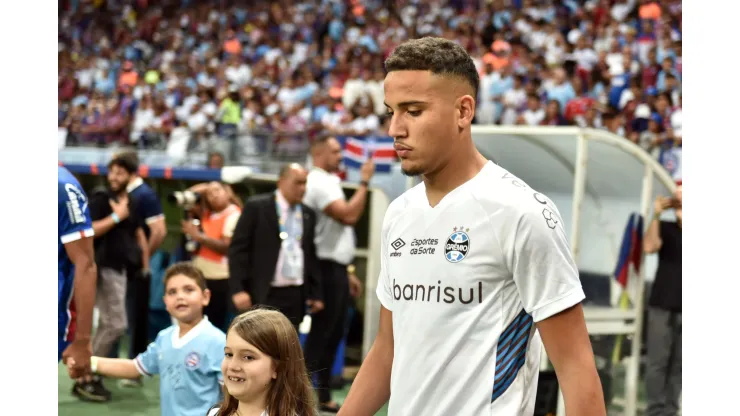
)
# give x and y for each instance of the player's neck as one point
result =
(456, 172)
(253, 407)
(185, 327)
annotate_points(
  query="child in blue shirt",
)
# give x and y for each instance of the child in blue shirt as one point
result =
(264, 370)
(187, 356)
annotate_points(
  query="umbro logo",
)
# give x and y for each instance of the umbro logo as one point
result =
(397, 245)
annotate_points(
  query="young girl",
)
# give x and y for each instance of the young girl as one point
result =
(263, 367)
(187, 356)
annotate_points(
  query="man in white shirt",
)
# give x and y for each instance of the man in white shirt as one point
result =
(476, 272)
(335, 249)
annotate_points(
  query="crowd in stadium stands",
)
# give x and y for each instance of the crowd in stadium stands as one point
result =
(134, 71)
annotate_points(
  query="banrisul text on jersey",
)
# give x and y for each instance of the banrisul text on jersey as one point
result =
(438, 293)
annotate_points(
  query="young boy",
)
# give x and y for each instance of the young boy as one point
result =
(187, 356)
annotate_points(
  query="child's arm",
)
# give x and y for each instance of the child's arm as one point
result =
(115, 367)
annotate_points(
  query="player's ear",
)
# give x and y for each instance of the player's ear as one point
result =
(206, 297)
(466, 111)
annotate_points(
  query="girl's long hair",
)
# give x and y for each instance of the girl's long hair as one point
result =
(291, 393)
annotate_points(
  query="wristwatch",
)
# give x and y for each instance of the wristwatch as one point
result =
(351, 269)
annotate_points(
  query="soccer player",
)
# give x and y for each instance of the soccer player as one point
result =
(476, 273)
(77, 274)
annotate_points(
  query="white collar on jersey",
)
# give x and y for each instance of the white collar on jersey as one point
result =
(178, 342)
(134, 184)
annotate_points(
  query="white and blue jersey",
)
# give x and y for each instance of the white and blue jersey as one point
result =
(74, 224)
(189, 368)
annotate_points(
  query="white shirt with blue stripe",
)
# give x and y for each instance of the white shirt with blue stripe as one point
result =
(189, 368)
(466, 281)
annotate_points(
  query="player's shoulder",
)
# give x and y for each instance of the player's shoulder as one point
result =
(404, 201)
(499, 191)
(65, 180)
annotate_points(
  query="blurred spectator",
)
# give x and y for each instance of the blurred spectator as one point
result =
(286, 70)
(664, 352)
(219, 212)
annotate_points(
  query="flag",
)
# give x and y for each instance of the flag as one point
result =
(630, 253)
(631, 250)
(358, 149)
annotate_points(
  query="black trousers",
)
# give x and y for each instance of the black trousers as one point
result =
(290, 301)
(327, 326)
(137, 309)
(218, 308)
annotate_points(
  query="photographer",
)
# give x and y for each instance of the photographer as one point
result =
(219, 210)
(663, 370)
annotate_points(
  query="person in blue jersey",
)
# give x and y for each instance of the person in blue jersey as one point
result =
(187, 356)
(264, 370)
(77, 275)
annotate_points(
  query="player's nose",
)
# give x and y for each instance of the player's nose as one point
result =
(397, 127)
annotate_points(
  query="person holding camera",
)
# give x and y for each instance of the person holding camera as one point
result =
(663, 370)
(219, 211)
(120, 246)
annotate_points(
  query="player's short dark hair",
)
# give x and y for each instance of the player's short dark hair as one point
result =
(438, 55)
(185, 268)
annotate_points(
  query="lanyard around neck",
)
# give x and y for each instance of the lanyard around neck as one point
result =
(281, 223)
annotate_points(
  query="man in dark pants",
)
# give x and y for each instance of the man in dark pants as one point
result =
(663, 370)
(335, 245)
(272, 255)
(149, 208)
(120, 249)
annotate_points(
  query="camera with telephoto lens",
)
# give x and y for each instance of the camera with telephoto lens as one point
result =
(184, 199)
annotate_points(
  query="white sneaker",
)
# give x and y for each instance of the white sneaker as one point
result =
(130, 383)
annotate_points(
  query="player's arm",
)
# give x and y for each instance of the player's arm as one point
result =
(82, 255)
(371, 389)
(548, 283)
(568, 346)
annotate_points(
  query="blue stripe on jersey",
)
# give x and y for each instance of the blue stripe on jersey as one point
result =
(511, 352)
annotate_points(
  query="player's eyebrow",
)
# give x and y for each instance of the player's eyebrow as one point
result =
(404, 104)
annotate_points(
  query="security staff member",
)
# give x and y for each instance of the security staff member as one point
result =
(272, 255)
(335, 245)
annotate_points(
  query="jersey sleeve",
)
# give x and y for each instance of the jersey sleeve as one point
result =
(384, 290)
(74, 213)
(320, 193)
(147, 363)
(541, 263)
(151, 208)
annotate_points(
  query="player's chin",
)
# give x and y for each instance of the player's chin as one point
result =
(410, 168)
